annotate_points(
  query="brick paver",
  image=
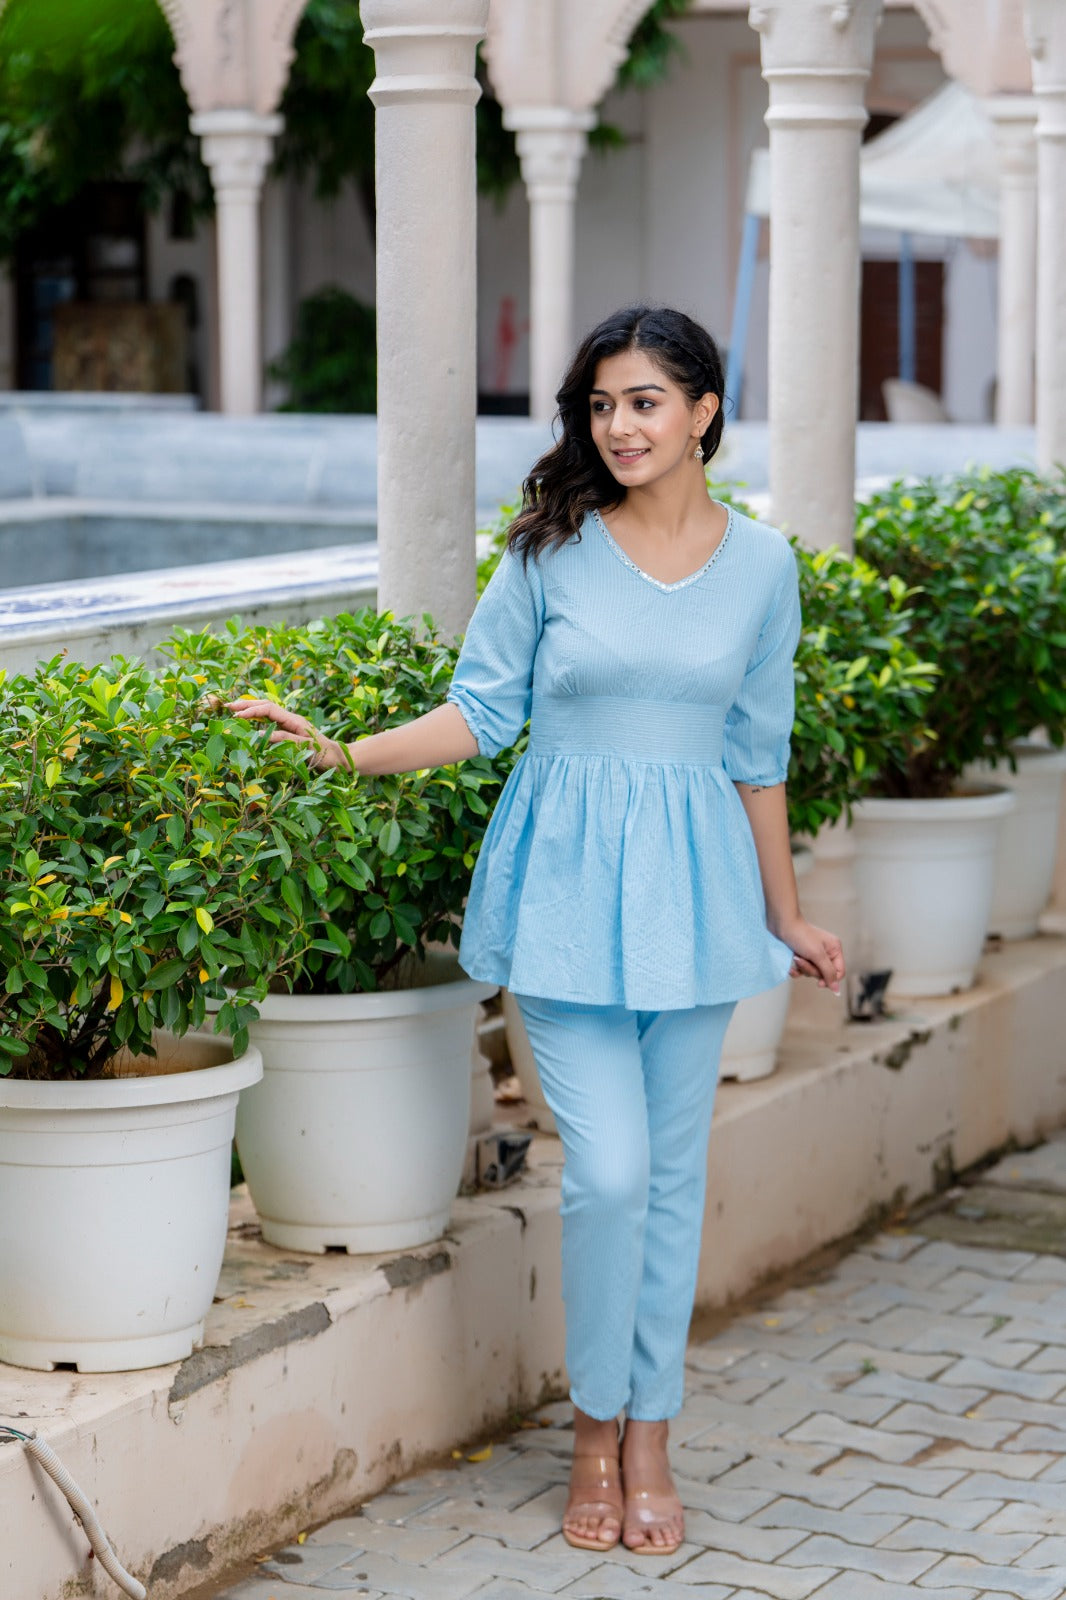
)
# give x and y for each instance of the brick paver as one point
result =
(897, 1429)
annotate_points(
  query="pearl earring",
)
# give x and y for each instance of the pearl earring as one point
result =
(697, 454)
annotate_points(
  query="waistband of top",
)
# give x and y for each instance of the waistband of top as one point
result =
(636, 730)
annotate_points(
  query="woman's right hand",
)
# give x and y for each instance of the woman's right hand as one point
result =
(291, 728)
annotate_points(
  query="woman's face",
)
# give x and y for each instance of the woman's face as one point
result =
(643, 424)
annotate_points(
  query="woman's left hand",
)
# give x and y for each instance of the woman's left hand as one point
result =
(815, 953)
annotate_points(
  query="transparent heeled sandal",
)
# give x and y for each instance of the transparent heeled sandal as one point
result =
(644, 1510)
(590, 1477)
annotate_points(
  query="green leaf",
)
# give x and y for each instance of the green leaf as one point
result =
(389, 837)
(165, 973)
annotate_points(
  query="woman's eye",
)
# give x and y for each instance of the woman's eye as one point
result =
(644, 402)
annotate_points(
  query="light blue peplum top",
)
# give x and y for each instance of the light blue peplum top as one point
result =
(619, 867)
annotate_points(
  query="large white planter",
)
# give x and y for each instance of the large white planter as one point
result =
(114, 1195)
(1028, 840)
(753, 1037)
(357, 1134)
(924, 871)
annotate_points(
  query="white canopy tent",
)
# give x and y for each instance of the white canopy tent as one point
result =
(935, 171)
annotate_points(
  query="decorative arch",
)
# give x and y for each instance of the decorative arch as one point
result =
(233, 54)
(983, 46)
(548, 52)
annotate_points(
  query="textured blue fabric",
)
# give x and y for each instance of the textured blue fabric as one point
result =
(619, 866)
(632, 1094)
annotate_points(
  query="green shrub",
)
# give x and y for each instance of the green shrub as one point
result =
(331, 364)
(983, 559)
(386, 873)
(142, 842)
(861, 691)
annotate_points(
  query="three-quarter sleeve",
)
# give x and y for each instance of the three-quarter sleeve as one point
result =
(758, 725)
(493, 681)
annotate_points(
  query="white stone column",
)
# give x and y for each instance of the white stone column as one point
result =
(1046, 30)
(236, 147)
(276, 257)
(1014, 119)
(425, 92)
(551, 141)
(816, 58)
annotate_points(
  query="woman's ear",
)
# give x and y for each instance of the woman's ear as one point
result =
(706, 409)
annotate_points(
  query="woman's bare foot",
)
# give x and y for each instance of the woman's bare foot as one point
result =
(654, 1523)
(593, 1516)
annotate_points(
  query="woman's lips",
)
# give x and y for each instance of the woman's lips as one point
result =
(626, 456)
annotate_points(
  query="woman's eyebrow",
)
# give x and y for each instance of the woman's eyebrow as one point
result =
(637, 388)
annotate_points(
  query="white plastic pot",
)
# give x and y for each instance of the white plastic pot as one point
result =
(357, 1134)
(753, 1037)
(1028, 840)
(924, 873)
(114, 1195)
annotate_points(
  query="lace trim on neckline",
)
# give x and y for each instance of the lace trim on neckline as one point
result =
(657, 583)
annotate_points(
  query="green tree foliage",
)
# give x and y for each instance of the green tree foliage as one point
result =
(83, 83)
(88, 91)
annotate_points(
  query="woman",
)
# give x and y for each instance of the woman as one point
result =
(636, 879)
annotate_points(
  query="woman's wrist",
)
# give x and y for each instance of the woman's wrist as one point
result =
(344, 757)
(780, 921)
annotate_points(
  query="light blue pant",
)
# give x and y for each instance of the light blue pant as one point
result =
(632, 1094)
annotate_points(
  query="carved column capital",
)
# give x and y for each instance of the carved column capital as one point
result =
(237, 146)
(551, 142)
(1045, 32)
(424, 51)
(829, 35)
(1013, 116)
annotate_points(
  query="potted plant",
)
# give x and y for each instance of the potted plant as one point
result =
(1035, 763)
(136, 838)
(989, 600)
(357, 1135)
(858, 682)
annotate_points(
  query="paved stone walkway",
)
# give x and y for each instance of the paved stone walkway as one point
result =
(897, 1427)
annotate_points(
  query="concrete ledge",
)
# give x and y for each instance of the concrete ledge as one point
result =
(130, 614)
(324, 1378)
(869, 1117)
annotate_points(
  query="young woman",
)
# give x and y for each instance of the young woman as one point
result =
(636, 879)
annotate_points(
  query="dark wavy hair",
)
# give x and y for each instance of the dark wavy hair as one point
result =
(572, 477)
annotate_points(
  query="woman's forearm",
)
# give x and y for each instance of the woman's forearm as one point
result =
(437, 739)
(768, 818)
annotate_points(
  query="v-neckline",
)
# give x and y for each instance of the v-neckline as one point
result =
(657, 583)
